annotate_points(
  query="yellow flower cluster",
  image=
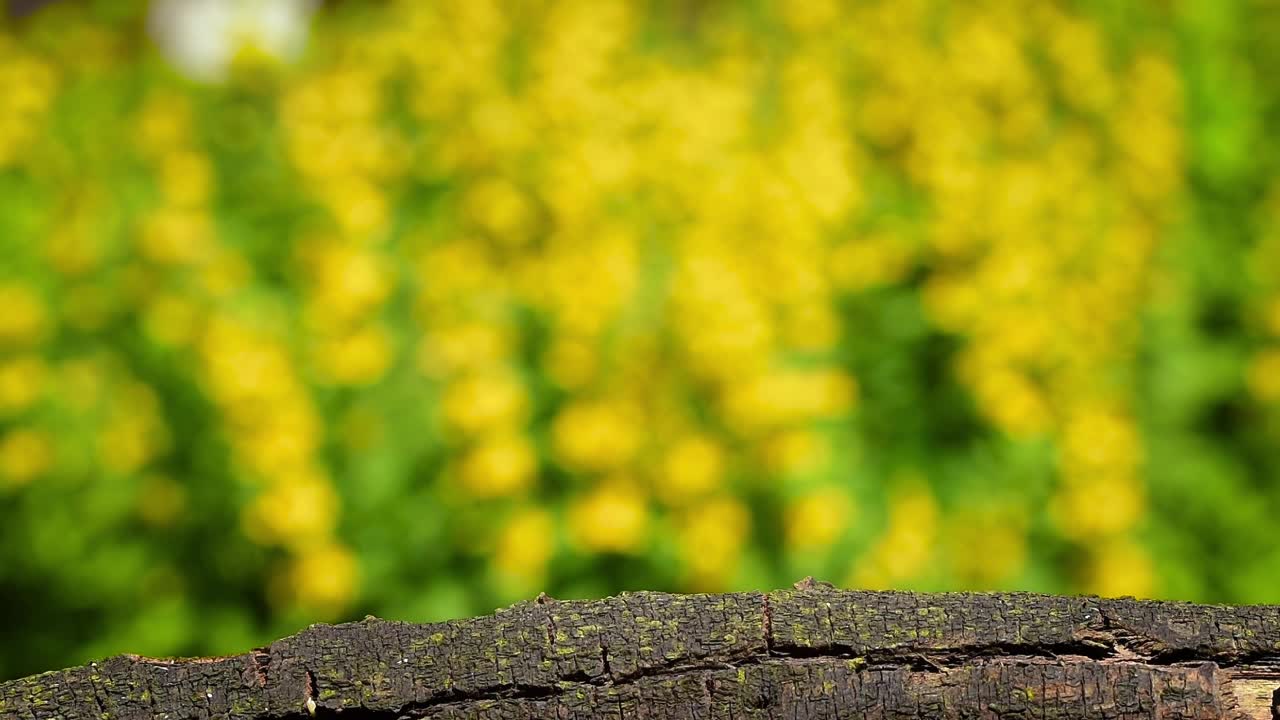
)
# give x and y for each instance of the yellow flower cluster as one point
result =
(332, 129)
(1039, 245)
(275, 435)
(615, 259)
(26, 451)
(560, 178)
(1035, 239)
(247, 367)
(27, 88)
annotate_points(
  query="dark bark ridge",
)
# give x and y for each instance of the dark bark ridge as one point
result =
(810, 652)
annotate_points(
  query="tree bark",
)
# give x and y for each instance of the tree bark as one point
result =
(811, 652)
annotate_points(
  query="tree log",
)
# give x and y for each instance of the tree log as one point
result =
(810, 652)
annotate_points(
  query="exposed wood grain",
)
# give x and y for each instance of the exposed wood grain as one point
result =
(808, 652)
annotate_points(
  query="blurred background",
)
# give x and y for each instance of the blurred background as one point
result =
(313, 310)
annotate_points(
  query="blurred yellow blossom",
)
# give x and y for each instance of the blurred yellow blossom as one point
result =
(1117, 568)
(501, 209)
(796, 451)
(1263, 376)
(293, 511)
(711, 536)
(21, 383)
(594, 435)
(485, 400)
(612, 517)
(524, 547)
(571, 362)
(27, 87)
(817, 518)
(865, 262)
(693, 466)
(1271, 317)
(176, 236)
(356, 358)
(25, 453)
(907, 544)
(186, 177)
(1098, 440)
(171, 319)
(499, 466)
(788, 396)
(1101, 505)
(128, 443)
(986, 547)
(24, 318)
(347, 281)
(462, 346)
(324, 578)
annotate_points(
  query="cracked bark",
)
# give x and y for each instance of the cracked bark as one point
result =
(809, 652)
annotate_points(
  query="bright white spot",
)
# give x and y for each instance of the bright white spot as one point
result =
(201, 37)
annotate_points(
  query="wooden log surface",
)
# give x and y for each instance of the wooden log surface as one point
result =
(808, 652)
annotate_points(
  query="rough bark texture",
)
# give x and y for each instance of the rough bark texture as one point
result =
(811, 652)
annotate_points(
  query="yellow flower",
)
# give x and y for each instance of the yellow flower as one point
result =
(186, 178)
(465, 346)
(1100, 440)
(711, 536)
(1002, 538)
(359, 206)
(500, 208)
(177, 237)
(1012, 402)
(485, 400)
(812, 326)
(612, 517)
(907, 544)
(596, 435)
(361, 357)
(524, 547)
(73, 249)
(693, 467)
(500, 466)
(1103, 504)
(171, 319)
(21, 383)
(226, 272)
(24, 454)
(297, 510)
(1272, 317)
(324, 577)
(789, 396)
(817, 519)
(347, 280)
(797, 451)
(1263, 375)
(24, 317)
(1119, 567)
(126, 443)
(571, 362)
(270, 444)
(812, 16)
(164, 122)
